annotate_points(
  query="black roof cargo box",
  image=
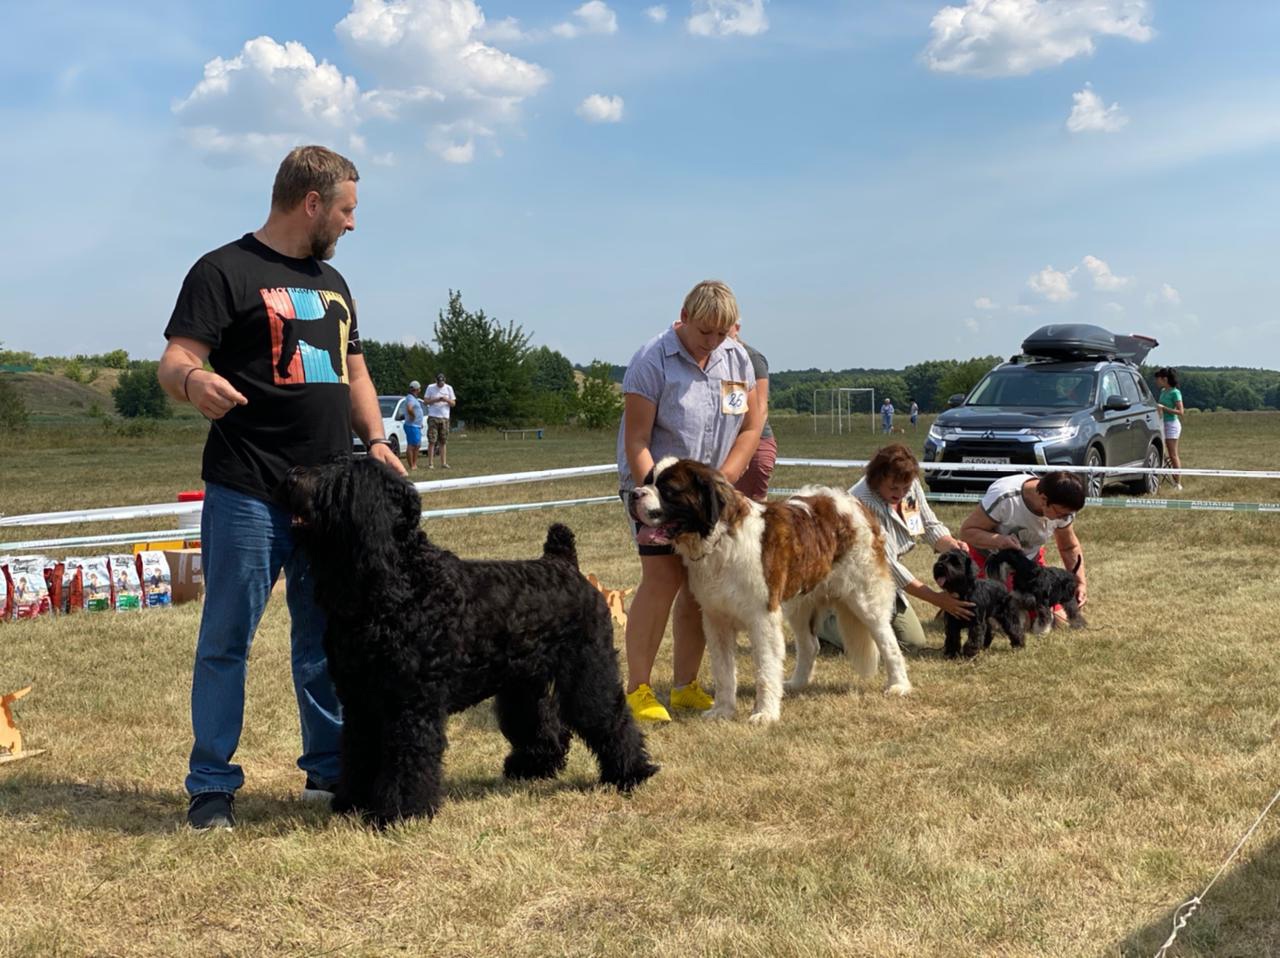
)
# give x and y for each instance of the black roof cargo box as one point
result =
(1070, 341)
(1134, 348)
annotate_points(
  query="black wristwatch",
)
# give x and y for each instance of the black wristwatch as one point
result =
(378, 442)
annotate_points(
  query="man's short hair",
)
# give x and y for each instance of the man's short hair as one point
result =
(1062, 489)
(711, 303)
(307, 169)
(894, 462)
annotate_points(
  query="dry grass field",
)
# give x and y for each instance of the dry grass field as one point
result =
(1057, 801)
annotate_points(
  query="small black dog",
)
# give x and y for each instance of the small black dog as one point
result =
(993, 605)
(414, 634)
(1047, 585)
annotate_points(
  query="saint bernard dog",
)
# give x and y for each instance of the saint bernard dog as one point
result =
(750, 564)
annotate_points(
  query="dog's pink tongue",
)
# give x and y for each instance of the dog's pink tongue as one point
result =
(942, 583)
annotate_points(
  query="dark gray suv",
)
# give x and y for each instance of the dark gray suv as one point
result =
(1075, 397)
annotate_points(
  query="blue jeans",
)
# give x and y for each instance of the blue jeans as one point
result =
(245, 542)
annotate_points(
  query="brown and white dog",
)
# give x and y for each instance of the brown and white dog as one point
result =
(750, 564)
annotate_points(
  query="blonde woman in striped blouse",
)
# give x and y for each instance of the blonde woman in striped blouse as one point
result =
(891, 489)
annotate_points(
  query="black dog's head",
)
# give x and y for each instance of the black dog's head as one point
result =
(955, 572)
(356, 513)
(682, 497)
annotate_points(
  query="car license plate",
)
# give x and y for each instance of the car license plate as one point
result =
(987, 460)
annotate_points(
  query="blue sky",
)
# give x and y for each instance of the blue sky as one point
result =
(880, 182)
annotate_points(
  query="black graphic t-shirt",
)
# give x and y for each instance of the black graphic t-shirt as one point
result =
(279, 330)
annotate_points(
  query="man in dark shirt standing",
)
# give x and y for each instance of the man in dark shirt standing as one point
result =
(288, 384)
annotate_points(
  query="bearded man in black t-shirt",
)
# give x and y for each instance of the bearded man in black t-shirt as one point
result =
(287, 385)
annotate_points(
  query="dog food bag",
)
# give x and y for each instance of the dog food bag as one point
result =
(126, 587)
(6, 590)
(95, 587)
(72, 585)
(30, 593)
(153, 570)
(53, 581)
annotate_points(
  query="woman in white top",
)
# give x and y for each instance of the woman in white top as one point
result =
(891, 489)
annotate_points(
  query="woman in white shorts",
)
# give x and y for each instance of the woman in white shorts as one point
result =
(1172, 411)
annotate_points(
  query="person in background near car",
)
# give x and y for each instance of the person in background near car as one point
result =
(754, 483)
(246, 309)
(440, 399)
(886, 416)
(1172, 410)
(690, 391)
(891, 489)
(1023, 512)
(915, 414)
(413, 424)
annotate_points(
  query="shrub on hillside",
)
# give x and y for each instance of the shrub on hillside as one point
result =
(138, 394)
(13, 410)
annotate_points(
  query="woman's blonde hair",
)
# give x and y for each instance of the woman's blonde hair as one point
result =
(712, 304)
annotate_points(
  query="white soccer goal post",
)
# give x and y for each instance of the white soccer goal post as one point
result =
(838, 406)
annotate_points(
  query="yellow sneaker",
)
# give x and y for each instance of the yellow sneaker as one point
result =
(691, 696)
(645, 706)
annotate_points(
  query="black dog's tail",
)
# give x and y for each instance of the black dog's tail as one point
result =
(560, 544)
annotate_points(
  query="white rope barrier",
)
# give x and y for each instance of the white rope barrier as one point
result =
(1183, 912)
(121, 513)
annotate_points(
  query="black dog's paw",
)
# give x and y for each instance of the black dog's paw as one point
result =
(637, 776)
(533, 765)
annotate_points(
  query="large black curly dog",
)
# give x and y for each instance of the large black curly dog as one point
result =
(1047, 585)
(415, 633)
(993, 605)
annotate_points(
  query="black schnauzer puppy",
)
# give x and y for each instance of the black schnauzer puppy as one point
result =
(993, 605)
(1046, 585)
(414, 634)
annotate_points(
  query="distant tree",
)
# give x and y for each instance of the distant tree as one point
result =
(138, 393)
(73, 370)
(599, 403)
(422, 364)
(485, 362)
(1272, 396)
(555, 388)
(551, 371)
(13, 408)
(922, 381)
(116, 359)
(965, 376)
(386, 364)
(1240, 396)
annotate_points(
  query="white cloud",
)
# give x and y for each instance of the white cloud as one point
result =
(430, 66)
(1103, 278)
(594, 16)
(436, 43)
(599, 108)
(971, 324)
(1091, 115)
(269, 94)
(1017, 37)
(1053, 285)
(1114, 308)
(984, 302)
(458, 152)
(658, 13)
(722, 18)
(506, 30)
(1166, 295)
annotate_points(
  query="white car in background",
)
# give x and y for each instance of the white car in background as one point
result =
(392, 426)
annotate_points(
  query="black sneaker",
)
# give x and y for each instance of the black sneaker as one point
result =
(313, 791)
(212, 810)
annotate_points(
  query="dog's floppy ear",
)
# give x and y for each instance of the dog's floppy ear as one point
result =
(970, 568)
(712, 502)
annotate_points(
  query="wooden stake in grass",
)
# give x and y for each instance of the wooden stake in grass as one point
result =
(613, 598)
(10, 738)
